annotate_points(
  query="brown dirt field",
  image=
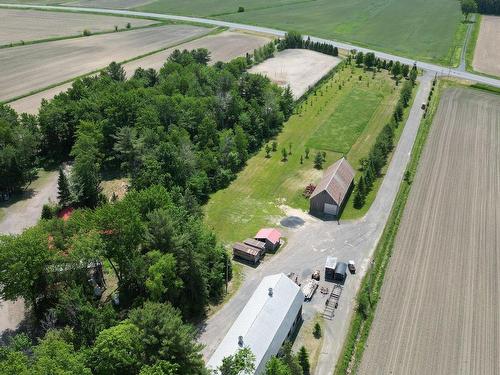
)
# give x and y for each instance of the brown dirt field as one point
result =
(487, 53)
(223, 47)
(440, 303)
(299, 68)
(27, 25)
(36, 66)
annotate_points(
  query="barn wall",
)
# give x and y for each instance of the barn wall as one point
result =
(317, 203)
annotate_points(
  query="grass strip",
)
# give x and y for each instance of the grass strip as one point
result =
(54, 39)
(471, 44)
(33, 92)
(371, 285)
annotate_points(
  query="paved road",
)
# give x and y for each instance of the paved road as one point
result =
(309, 245)
(436, 69)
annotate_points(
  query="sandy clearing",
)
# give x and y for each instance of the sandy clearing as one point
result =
(17, 25)
(487, 53)
(37, 66)
(223, 47)
(439, 307)
(298, 68)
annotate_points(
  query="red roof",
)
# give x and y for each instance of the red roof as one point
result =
(270, 234)
(65, 213)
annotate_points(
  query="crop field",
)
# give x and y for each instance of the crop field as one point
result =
(224, 46)
(28, 68)
(438, 312)
(258, 196)
(111, 4)
(28, 25)
(297, 68)
(404, 27)
(487, 53)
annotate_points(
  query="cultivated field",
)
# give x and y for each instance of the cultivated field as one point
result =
(424, 30)
(223, 47)
(487, 52)
(297, 68)
(439, 307)
(111, 4)
(27, 25)
(32, 67)
(256, 198)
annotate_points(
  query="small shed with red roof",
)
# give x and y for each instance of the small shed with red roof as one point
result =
(270, 236)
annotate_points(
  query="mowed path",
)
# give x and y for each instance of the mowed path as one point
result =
(439, 311)
(487, 52)
(33, 67)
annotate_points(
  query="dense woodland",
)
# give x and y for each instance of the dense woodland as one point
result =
(488, 6)
(178, 135)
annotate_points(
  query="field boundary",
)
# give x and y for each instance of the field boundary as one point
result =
(471, 45)
(75, 36)
(214, 31)
(371, 285)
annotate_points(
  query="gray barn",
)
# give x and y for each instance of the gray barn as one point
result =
(330, 194)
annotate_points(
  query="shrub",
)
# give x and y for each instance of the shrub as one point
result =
(129, 25)
(241, 9)
(317, 330)
(87, 32)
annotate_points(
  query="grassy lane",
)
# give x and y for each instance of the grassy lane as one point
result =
(254, 198)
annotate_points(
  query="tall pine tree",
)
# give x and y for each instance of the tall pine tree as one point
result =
(63, 192)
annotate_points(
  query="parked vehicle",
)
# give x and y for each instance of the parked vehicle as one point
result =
(352, 266)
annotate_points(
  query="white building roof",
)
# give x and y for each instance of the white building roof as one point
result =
(263, 323)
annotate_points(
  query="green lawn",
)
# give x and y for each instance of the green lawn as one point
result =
(253, 200)
(421, 29)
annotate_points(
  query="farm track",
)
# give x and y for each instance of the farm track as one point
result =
(33, 67)
(439, 307)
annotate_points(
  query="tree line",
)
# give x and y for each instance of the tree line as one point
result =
(294, 39)
(481, 6)
(372, 165)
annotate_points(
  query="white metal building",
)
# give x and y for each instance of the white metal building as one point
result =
(267, 320)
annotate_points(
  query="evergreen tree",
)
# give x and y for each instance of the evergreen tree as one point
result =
(413, 76)
(318, 161)
(301, 159)
(398, 112)
(284, 154)
(359, 58)
(268, 151)
(275, 146)
(396, 69)
(405, 69)
(369, 60)
(307, 152)
(63, 192)
(317, 330)
(303, 358)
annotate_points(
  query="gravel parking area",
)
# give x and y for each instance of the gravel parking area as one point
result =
(439, 307)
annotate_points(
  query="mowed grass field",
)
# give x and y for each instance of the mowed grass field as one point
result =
(438, 310)
(421, 29)
(257, 196)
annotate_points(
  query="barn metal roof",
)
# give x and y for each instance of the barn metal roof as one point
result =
(253, 251)
(336, 181)
(263, 323)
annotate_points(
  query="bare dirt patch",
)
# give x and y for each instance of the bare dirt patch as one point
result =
(438, 312)
(223, 47)
(487, 52)
(36, 66)
(27, 25)
(298, 68)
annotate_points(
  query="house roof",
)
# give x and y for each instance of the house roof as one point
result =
(255, 243)
(336, 181)
(271, 234)
(263, 323)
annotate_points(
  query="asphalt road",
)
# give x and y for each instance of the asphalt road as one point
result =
(436, 69)
(309, 244)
